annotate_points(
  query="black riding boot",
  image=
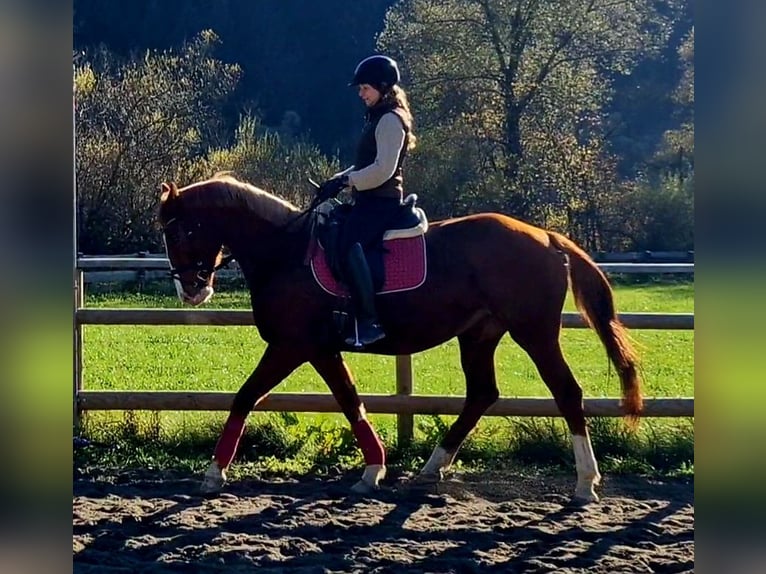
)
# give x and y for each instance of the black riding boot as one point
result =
(363, 296)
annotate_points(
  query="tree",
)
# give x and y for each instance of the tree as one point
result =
(661, 199)
(296, 55)
(158, 117)
(675, 157)
(139, 122)
(524, 83)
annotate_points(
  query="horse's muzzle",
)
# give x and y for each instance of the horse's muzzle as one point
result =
(202, 296)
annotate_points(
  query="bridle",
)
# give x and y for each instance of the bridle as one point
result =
(203, 270)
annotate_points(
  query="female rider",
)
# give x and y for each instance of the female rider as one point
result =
(376, 183)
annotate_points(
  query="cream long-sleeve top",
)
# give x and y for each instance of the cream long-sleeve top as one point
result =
(389, 140)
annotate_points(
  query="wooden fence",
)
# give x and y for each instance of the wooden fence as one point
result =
(147, 266)
(403, 403)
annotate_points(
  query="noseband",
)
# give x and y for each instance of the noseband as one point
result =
(203, 271)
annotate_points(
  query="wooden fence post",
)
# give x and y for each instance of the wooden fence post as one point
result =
(405, 423)
(79, 303)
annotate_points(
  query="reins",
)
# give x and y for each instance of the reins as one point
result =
(312, 206)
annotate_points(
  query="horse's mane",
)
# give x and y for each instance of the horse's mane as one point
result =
(225, 190)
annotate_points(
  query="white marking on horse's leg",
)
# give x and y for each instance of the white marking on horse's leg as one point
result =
(371, 477)
(214, 479)
(440, 461)
(587, 469)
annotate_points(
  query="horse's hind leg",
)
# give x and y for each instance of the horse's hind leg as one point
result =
(546, 353)
(477, 357)
(333, 369)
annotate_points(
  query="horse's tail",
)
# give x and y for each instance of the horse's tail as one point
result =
(594, 299)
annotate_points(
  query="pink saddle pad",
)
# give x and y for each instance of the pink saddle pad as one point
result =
(404, 262)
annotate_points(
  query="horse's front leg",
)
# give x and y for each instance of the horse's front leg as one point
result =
(333, 369)
(275, 365)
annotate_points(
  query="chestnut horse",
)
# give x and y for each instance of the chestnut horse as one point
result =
(488, 275)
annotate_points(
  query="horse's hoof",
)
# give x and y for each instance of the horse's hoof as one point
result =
(371, 477)
(214, 479)
(426, 478)
(211, 486)
(427, 483)
(361, 487)
(419, 485)
(583, 498)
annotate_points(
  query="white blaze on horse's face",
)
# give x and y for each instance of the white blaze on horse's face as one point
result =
(201, 296)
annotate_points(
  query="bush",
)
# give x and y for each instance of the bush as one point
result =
(271, 161)
(653, 216)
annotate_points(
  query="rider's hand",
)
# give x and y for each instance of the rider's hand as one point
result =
(332, 187)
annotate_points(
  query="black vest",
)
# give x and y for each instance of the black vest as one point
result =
(367, 151)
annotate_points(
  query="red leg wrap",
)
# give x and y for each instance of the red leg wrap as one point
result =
(368, 441)
(229, 440)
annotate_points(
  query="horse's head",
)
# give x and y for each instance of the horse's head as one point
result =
(194, 256)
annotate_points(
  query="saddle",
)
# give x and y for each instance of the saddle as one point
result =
(403, 247)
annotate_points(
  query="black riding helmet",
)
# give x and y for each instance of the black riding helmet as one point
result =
(381, 72)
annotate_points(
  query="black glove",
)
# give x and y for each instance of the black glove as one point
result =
(332, 187)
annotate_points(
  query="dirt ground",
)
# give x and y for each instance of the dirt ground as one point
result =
(491, 522)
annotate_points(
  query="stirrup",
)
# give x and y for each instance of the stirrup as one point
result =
(355, 341)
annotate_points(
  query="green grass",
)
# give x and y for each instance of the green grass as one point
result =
(220, 358)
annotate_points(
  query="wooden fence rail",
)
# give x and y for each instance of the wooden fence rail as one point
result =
(116, 269)
(404, 404)
(398, 404)
(242, 317)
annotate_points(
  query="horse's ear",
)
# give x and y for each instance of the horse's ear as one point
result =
(168, 191)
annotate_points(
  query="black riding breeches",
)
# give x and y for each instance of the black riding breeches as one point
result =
(366, 223)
